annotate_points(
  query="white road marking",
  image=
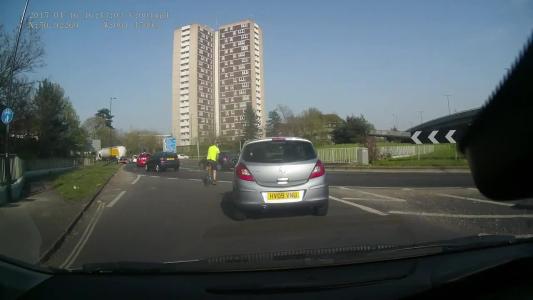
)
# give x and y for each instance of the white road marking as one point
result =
(153, 176)
(376, 195)
(84, 238)
(365, 208)
(174, 178)
(191, 170)
(353, 187)
(224, 181)
(476, 200)
(369, 199)
(472, 189)
(425, 214)
(114, 201)
(407, 189)
(137, 179)
(194, 179)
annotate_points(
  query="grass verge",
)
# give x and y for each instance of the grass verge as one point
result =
(443, 156)
(84, 182)
(439, 163)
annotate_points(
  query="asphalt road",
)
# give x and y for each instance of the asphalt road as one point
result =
(172, 216)
(384, 178)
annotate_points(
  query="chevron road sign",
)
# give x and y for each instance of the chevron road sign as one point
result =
(414, 137)
(433, 137)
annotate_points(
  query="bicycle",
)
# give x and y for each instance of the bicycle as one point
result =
(208, 179)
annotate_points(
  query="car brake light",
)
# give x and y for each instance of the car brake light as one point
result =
(243, 173)
(318, 170)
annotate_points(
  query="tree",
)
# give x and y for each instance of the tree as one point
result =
(286, 112)
(137, 141)
(95, 126)
(312, 125)
(29, 56)
(273, 123)
(56, 122)
(354, 130)
(75, 136)
(105, 114)
(251, 123)
(16, 90)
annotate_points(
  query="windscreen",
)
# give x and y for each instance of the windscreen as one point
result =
(301, 127)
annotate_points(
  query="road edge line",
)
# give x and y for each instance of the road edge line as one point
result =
(84, 236)
(45, 256)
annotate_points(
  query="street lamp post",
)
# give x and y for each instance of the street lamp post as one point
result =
(110, 128)
(448, 98)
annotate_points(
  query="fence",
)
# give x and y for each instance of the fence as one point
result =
(338, 155)
(41, 164)
(404, 151)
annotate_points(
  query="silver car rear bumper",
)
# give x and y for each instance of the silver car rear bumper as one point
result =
(248, 195)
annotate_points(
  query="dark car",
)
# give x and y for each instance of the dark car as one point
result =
(227, 160)
(123, 160)
(161, 161)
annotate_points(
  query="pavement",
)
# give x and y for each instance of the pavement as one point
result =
(171, 216)
(31, 226)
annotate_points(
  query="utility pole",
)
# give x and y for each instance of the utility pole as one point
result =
(198, 147)
(110, 120)
(420, 112)
(395, 120)
(448, 98)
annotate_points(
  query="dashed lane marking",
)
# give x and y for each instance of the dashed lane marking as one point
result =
(460, 216)
(476, 200)
(137, 179)
(362, 207)
(114, 201)
(376, 195)
(369, 199)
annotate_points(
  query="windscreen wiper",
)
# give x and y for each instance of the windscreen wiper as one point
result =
(302, 258)
(129, 267)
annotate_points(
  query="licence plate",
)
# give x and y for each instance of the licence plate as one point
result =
(170, 158)
(283, 195)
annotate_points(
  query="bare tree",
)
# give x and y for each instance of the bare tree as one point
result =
(29, 57)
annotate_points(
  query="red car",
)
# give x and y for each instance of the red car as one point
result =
(142, 159)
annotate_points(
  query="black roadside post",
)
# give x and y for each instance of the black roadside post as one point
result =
(7, 165)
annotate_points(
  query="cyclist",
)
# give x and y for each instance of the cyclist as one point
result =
(212, 159)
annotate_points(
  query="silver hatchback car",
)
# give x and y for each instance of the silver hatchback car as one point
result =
(280, 172)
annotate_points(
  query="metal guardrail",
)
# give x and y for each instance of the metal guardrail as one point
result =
(40, 164)
(338, 155)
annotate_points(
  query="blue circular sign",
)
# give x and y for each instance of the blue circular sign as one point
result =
(7, 115)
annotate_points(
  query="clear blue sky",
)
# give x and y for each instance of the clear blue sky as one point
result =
(376, 58)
